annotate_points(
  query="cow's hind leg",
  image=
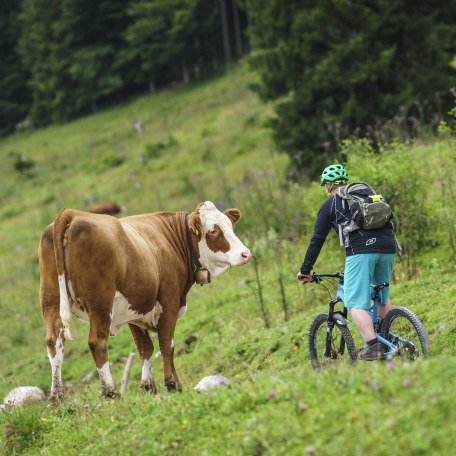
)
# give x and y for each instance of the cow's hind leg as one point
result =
(145, 349)
(55, 342)
(98, 343)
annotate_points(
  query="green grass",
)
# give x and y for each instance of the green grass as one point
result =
(200, 143)
(367, 409)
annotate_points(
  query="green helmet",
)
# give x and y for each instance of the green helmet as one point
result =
(333, 173)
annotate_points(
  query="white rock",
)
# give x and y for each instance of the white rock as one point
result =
(87, 377)
(23, 395)
(210, 382)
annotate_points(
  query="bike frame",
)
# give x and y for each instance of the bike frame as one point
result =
(374, 315)
(340, 318)
(373, 311)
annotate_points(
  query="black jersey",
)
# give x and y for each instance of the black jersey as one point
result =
(332, 212)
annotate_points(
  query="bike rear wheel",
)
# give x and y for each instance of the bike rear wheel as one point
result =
(404, 329)
(341, 344)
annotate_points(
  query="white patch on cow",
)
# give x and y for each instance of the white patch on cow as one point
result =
(56, 366)
(218, 262)
(106, 377)
(182, 312)
(65, 312)
(155, 314)
(146, 374)
(122, 313)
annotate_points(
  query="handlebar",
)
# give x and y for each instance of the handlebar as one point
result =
(317, 277)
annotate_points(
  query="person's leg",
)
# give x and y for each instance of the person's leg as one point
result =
(363, 322)
(358, 272)
(384, 309)
(358, 299)
(382, 274)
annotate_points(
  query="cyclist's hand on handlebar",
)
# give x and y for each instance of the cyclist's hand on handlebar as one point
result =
(304, 278)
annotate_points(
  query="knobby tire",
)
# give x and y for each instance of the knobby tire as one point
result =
(413, 319)
(317, 358)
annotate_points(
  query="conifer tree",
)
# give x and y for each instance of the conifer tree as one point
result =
(14, 93)
(335, 66)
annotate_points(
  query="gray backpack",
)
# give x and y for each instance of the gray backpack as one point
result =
(368, 210)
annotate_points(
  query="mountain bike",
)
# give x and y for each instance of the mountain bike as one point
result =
(330, 338)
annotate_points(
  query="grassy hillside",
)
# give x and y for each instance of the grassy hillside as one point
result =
(210, 142)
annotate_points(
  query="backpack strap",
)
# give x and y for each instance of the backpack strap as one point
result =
(341, 236)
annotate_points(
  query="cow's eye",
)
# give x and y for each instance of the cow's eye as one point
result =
(213, 231)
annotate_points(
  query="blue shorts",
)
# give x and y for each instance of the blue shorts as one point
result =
(361, 271)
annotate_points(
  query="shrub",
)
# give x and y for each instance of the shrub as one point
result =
(113, 160)
(415, 183)
(24, 165)
(156, 149)
(336, 67)
(105, 162)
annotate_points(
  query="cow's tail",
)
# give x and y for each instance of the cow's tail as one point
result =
(60, 225)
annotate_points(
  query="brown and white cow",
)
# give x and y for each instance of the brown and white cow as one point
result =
(136, 270)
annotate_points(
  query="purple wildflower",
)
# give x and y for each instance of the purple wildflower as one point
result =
(303, 407)
(390, 364)
(272, 393)
(376, 385)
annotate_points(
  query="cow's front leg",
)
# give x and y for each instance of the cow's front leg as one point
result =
(98, 343)
(145, 349)
(166, 341)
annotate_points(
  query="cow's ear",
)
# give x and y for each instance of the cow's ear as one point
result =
(234, 215)
(194, 222)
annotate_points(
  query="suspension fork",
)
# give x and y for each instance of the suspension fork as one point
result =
(329, 329)
(342, 340)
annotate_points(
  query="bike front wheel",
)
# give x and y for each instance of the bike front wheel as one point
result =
(328, 345)
(404, 329)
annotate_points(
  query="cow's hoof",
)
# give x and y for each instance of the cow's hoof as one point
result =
(109, 394)
(149, 387)
(173, 387)
(56, 398)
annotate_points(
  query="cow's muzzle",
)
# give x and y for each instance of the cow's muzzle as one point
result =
(246, 256)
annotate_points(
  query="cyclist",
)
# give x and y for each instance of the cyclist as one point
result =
(369, 259)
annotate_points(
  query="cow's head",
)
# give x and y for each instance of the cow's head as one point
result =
(218, 246)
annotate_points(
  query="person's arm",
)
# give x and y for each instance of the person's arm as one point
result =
(322, 227)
